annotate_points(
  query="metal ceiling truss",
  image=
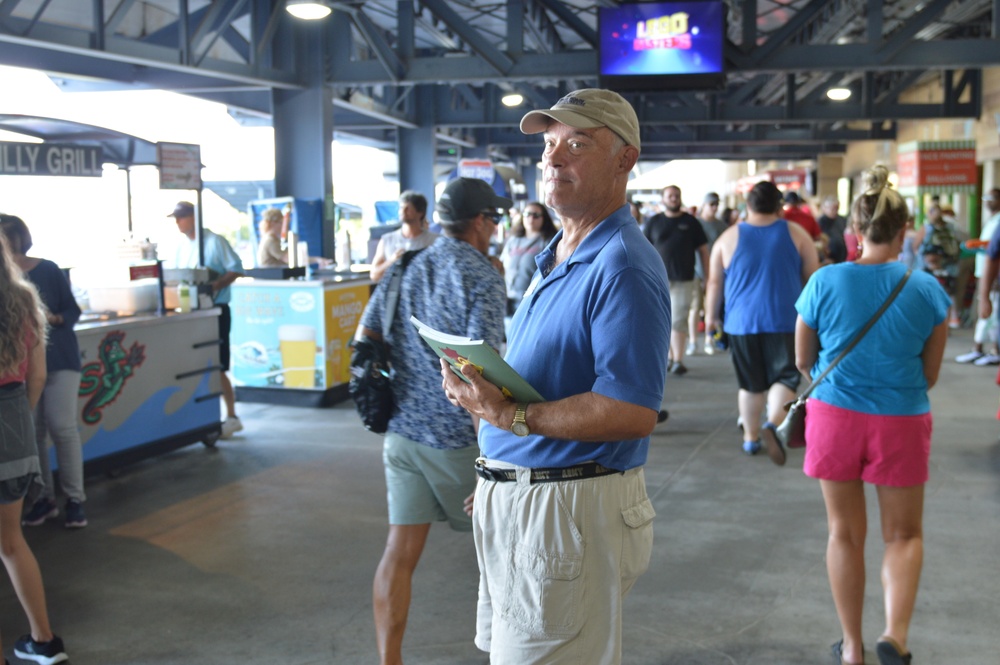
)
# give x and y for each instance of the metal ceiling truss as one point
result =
(782, 55)
(223, 45)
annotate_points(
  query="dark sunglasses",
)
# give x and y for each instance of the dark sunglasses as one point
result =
(533, 214)
(492, 214)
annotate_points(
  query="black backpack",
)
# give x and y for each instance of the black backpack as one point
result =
(371, 369)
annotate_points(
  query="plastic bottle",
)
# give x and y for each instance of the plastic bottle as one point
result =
(184, 297)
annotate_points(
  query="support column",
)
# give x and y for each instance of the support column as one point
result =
(530, 173)
(303, 131)
(417, 148)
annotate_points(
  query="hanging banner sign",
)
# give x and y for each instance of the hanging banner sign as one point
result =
(477, 168)
(57, 159)
(180, 165)
(937, 164)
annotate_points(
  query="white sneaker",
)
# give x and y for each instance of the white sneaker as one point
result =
(230, 426)
(969, 357)
(709, 349)
(987, 360)
(690, 349)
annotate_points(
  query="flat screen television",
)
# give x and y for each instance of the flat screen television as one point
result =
(662, 46)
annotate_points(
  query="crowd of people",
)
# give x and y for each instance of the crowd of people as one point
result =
(553, 491)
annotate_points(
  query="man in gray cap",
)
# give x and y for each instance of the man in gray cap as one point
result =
(562, 523)
(429, 450)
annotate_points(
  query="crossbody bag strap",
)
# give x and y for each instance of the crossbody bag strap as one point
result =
(858, 337)
(395, 285)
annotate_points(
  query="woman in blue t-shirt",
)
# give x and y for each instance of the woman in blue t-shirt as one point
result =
(869, 420)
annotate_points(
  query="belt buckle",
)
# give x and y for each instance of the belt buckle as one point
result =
(496, 475)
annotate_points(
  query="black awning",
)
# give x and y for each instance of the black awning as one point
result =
(120, 149)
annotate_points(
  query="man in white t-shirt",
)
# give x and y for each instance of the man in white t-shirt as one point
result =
(412, 234)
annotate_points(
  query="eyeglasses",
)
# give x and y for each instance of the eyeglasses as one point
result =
(532, 214)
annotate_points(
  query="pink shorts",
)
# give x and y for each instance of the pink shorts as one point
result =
(844, 445)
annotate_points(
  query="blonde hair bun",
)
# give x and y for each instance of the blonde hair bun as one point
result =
(875, 179)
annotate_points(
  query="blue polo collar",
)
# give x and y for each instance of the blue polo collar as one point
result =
(595, 241)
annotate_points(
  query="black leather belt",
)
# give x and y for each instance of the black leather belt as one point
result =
(554, 475)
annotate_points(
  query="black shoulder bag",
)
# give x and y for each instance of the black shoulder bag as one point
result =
(792, 432)
(371, 380)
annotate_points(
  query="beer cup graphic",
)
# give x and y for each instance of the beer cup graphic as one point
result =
(297, 343)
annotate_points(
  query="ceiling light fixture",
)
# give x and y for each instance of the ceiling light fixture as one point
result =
(838, 94)
(308, 10)
(512, 99)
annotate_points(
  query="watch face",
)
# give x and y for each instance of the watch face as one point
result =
(520, 429)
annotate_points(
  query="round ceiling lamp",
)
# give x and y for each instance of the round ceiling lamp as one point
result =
(838, 94)
(308, 10)
(512, 99)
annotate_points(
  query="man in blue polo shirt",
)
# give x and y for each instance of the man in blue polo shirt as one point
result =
(592, 336)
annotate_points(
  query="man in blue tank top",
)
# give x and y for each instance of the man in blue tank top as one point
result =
(760, 266)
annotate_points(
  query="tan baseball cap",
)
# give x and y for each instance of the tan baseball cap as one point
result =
(586, 109)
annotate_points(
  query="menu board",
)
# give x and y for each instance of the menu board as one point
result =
(180, 165)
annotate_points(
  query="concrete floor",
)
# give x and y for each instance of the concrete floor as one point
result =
(263, 549)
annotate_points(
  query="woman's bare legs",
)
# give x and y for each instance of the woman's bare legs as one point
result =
(845, 558)
(22, 568)
(902, 511)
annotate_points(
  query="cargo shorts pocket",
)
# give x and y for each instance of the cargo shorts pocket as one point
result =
(545, 592)
(637, 540)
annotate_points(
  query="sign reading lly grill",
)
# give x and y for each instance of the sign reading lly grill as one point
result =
(56, 159)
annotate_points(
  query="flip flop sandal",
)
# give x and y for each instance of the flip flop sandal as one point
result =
(772, 444)
(890, 653)
(837, 651)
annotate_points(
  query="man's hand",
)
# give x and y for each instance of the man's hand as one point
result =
(467, 504)
(480, 397)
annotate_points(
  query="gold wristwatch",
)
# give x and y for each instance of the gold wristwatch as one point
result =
(520, 425)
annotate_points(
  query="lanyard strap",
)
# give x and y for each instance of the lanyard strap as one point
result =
(857, 338)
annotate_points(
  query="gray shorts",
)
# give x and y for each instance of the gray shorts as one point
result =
(18, 451)
(425, 484)
(681, 298)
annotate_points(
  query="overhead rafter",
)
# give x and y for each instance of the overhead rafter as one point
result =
(782, 56)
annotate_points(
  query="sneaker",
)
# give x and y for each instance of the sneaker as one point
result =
(709, 349)
(44, 509)
(690, 349)
(987, 360)
(678, 369)
(969, 357)
(75, 517)
(230, 426)
(46, 653)
(751, 447)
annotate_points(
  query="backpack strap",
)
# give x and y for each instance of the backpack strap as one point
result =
(394, 287)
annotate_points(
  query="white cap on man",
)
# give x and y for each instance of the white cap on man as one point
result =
(586, 109)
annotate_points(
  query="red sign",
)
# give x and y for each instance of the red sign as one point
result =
(144, 271)
(793, 179)
(906, 166)
(938, 168)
